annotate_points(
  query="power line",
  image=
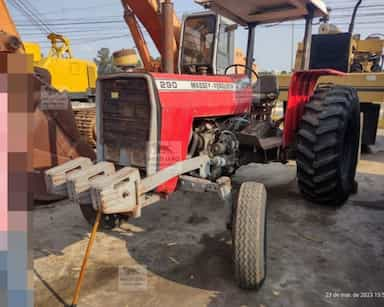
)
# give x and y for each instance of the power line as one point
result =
(351, 7)
(23, 11)
(36, 13)
(31, 13)
(119, 19)
(83, 31)
(79, 8)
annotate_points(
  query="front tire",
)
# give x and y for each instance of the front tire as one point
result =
(328, 145)
(249, 235)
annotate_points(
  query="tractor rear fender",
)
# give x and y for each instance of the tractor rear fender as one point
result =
(302, 87)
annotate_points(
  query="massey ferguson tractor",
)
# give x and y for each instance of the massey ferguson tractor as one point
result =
(191, 127)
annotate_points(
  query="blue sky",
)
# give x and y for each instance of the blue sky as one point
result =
(75, 19)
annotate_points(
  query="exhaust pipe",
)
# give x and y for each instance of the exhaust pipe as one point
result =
(168, 36)
(352, 24)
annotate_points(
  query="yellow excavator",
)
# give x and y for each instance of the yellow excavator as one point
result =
(76, 77)
(366, 56)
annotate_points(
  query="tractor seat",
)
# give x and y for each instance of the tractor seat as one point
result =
(265, 89)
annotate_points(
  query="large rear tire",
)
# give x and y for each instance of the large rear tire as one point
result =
(249, 235)
(328, 145)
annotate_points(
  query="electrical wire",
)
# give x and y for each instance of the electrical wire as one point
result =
(86, 29)
(31, 13)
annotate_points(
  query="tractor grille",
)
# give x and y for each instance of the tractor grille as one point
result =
(126, 120)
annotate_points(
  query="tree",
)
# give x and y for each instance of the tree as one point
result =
(104, 62)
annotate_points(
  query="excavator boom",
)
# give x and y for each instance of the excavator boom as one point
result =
(6, 22)
(138, 37)
(9, 36)
(148, 13)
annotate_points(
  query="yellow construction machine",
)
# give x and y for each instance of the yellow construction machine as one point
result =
(126, 59)
(33, 49)
(361, 60)
(76, 77)
(366, 54)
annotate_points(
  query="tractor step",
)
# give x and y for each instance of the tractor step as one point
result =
(263, 134)
(271, 142)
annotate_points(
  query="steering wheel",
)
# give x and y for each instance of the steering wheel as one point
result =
(244, 66)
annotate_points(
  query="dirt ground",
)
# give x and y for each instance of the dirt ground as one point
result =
(179, 253)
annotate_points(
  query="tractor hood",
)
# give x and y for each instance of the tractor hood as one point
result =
(264, 11)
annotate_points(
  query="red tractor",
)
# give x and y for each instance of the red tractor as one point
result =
(191, 130)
